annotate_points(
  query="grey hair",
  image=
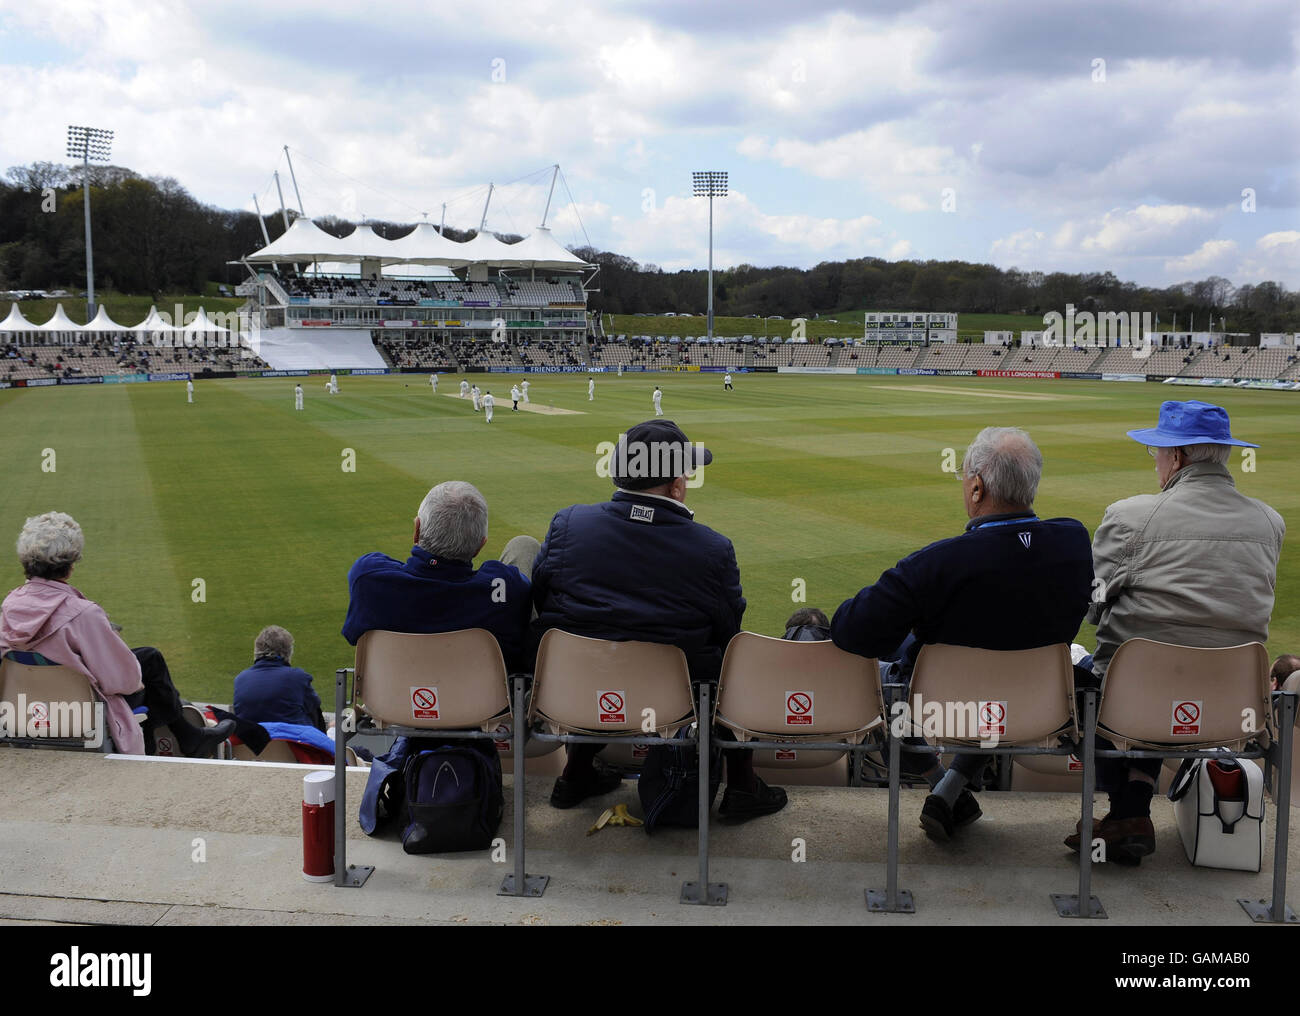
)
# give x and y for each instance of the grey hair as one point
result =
(453, 521)
(273, 641)
(1008, 462)
(49, 545)
(1217, 453)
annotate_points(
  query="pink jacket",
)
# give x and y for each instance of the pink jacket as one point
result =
(55, 620)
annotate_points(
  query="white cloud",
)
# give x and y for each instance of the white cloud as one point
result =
(1146, 229)
(1210, 258)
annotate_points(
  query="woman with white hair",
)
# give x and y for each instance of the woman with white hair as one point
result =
(49, 618)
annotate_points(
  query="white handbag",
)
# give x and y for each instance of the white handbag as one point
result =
(1218, 832)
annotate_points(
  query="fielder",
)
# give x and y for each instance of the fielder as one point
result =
(474, 394)
(464, 389)
(189, 391)
(657, 396)
(514, 395)
(620, 370)
(433, 381)
(591, 389)
(523, 387)
(332, 385)
(487, 406)
(726, 383)
(297, 396)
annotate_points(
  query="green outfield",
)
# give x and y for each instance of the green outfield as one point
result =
(825, 479)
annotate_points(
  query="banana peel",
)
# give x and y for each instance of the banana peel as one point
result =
(615, 816)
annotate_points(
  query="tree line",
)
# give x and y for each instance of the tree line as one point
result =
(152, 236)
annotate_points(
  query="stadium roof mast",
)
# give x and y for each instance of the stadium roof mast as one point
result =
(710, 184)
(87, 143)
(549, 195)
(294, 177)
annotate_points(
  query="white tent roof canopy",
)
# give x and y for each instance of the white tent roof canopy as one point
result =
(304, 241)
(202, 324)
(15, 322)
(101, 322)
(59, 322)
(153, 323)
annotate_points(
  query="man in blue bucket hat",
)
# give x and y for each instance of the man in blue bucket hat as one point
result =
(1193, 565)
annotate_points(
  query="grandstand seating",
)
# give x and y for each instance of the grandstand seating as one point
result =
(1264, 364)
(109, 358)
(719, 354)
(1215, 363)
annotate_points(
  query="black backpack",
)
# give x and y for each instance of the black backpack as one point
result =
(670, 784)
(454, 799)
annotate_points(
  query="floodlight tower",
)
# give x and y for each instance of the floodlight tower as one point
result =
(87, 143)
(711, 184)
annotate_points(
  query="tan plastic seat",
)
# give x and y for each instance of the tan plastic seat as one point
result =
(591, 686)
(1292, 684)
(276, 751)
(1012, 698)
(46, 684)
(1158, 695)
(449, 681)
(776, 690)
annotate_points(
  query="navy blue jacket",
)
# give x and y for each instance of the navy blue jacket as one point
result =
(1008, 582)
(638, 568)
(271, 691)
(426, 596)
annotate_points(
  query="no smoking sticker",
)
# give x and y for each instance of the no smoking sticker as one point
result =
(1186, 717)
(505, 733)
(424, 703)
(40, 715)
(1075, 765)
(611, 707)
(165, 746)
(640, 750)
(786, 754)
(992, 719)
(798, 708)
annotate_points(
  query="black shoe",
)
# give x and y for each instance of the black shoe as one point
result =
(939, 820)
(568, 793)
(741, 805)
(203, 743)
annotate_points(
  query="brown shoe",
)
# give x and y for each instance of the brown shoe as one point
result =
(1127, 840)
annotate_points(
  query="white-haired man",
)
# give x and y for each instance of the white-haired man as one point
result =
(47, 620)
(1010, 581)
(1195, 565)
(272, 690)
(437, 589)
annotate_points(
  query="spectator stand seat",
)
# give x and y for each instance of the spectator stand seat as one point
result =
(593, 691)
(41, 697)
(412, 685)
(1214, 699)
(1020, 701)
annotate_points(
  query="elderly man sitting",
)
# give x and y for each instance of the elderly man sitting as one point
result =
(52, 621)
(1194, 565)
(1010, 581)
(438, 589)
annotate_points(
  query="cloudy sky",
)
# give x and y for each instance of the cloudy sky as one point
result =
(1155, 139)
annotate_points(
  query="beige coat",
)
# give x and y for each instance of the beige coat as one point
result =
(1194, 565)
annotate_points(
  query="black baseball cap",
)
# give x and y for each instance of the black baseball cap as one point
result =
(654, 453)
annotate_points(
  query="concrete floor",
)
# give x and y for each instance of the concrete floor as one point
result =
(96, 840)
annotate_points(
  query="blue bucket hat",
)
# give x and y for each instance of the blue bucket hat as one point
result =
(1189, 423)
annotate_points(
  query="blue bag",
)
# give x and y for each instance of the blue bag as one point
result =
(669, 786)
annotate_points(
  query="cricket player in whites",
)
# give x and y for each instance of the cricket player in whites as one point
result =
(464, 388)
(332, 385)
(433, 383)
(658, 397)
(620, 369)
(514, 395)
(591, 389)
(523, 387)
(726, 383)
(488, 403)
(297, 396)
(189, 391)
(474, 394)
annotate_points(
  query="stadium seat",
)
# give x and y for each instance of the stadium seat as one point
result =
(1019, 701)
(595, 691)
(1292, 685)
(1181, 700)
(43, 684)
(451, 683)
(760, 674)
